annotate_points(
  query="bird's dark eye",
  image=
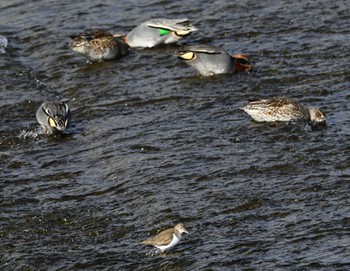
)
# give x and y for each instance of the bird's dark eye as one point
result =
(243, 61)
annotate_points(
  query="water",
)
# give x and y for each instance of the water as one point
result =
(152, 144)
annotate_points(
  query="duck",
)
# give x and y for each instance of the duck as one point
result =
(54, 117)
(282, 109)
(167, 238)
(155, 32)
(211, 60)
(98, 45)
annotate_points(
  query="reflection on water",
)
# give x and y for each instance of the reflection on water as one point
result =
(152, 144)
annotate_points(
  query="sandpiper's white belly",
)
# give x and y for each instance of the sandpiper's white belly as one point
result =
(173, 242)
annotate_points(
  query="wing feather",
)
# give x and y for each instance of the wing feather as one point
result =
(160, 239)
(172, 24)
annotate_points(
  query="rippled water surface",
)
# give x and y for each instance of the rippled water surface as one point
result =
(152, 144)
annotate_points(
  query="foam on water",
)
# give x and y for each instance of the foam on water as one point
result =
(3, 44)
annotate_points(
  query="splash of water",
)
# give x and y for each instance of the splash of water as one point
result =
(153, 252)
(3, 44)
(24, 134)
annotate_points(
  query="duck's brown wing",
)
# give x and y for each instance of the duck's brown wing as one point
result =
(280, 108)
(103, 42)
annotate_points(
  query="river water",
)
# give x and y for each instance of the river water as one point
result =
(152, 144)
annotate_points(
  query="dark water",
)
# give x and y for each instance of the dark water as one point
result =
(152, 144)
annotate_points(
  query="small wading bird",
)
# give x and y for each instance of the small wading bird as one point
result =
(53, 117)
(283, 109)
(211, 60)
(167, 238)
(99, 45)
(156, 32)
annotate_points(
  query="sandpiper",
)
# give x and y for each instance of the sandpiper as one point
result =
(283, 109)
(167, 238)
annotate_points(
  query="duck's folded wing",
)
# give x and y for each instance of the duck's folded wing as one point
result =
(172, 24)
(203, 49)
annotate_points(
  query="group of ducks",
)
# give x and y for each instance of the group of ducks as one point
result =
(99, 45)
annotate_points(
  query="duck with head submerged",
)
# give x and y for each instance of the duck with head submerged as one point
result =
(156, 32)
(99, 45)
(54, 117)
(211, 60)
(283, 109)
